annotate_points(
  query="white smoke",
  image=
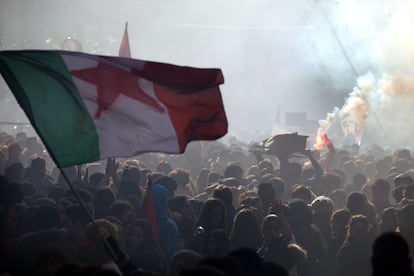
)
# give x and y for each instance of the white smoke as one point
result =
(273, 53)
(379, 109)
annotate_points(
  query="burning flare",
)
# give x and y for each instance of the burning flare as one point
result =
(319, 141)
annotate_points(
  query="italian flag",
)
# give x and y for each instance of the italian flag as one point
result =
(88, 107)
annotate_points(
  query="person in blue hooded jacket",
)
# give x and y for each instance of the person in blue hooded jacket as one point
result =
(168, 235)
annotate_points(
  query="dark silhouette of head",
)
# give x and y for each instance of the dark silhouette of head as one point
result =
(180, 176)
(245, 231)
(339, 223)
(212, 215)
(266, 192)
(380, 189)
(358, 229)
(331, 181)
(356, 203)
(391, 256)
(300, 215)
(301, 192)
(233, 170)
(224, 193)
(169, 183)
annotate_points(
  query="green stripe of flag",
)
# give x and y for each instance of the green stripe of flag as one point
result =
(43, 86)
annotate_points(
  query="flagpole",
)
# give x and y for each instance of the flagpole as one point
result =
(87, 211)
(91, 218)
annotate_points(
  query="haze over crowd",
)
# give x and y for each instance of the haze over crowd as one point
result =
(277, 56)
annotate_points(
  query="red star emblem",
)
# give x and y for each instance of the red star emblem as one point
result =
(110, 82)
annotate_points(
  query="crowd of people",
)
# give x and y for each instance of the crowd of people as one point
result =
(218, 209)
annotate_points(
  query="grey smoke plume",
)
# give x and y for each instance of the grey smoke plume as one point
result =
(277, 56)
(379, 109)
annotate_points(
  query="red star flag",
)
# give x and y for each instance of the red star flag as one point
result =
(87, 107)
(124, 49)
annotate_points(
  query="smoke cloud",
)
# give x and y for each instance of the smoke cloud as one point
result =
(379, 109)
(276, 56)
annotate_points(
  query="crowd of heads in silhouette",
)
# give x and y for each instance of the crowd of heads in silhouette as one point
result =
(218, 209)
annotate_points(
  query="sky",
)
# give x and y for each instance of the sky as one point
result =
(277, 56)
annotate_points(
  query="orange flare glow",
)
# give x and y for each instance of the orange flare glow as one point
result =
(318, 141)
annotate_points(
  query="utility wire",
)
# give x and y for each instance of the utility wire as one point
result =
(349, 61)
